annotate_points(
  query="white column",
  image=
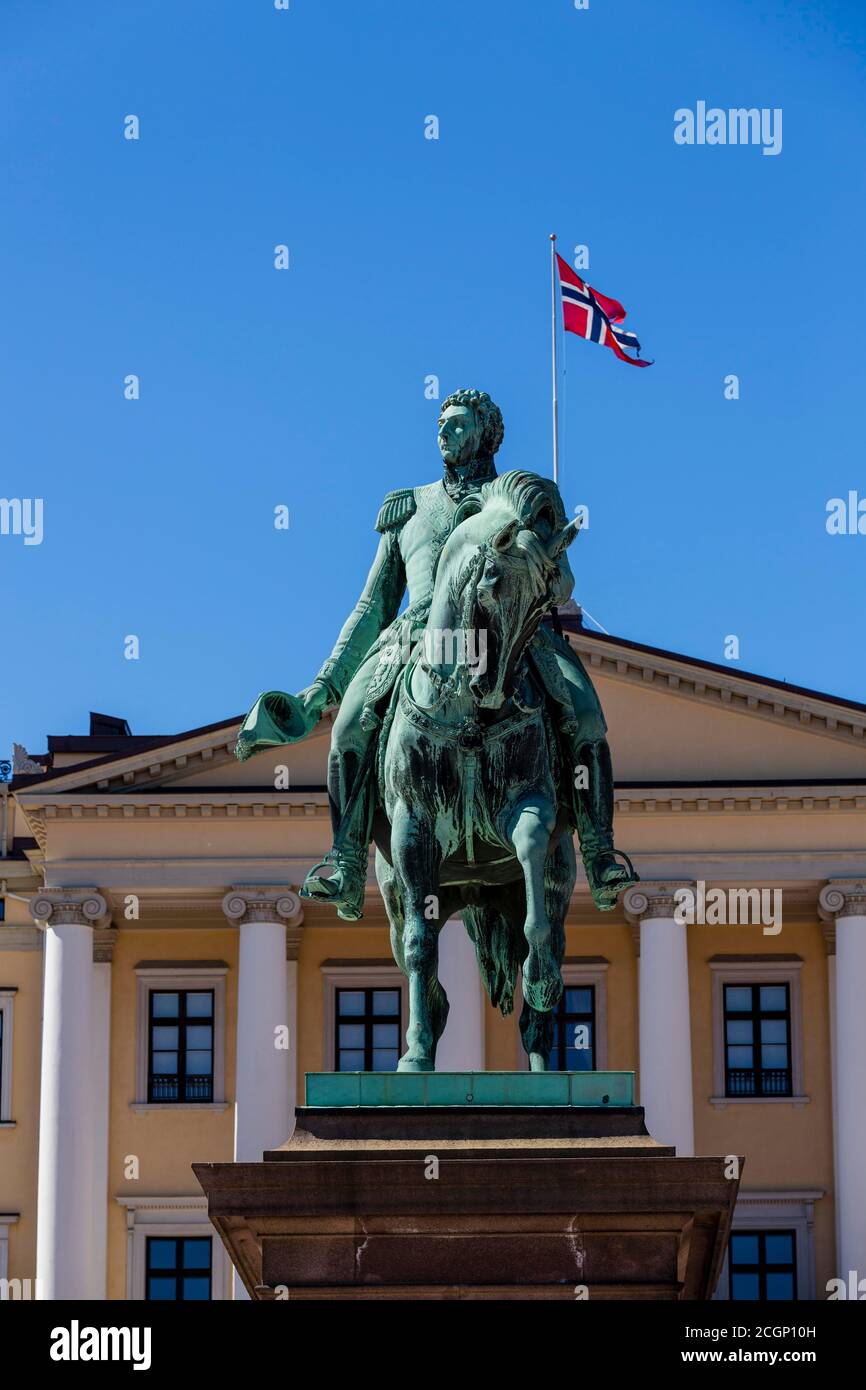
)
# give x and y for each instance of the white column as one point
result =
(461, 1047)
(294, 935)
(665, 1027)
(845, 900)
(266, 1068)
(103, 951)
(67, 1221)
(264, 1044)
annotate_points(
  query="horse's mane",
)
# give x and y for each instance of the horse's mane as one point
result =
(529, 495)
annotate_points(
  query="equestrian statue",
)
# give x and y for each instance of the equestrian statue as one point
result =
(469, 744)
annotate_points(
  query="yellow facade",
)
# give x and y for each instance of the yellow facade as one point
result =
(719, 777)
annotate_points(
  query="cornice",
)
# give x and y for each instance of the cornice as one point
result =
(680, 678)
(41, 807)
(742, 801)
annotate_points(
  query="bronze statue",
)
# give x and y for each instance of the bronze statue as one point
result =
(470, 742)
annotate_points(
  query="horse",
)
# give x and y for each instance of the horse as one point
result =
(469, 816)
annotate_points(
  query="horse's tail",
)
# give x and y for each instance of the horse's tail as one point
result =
(495, 944)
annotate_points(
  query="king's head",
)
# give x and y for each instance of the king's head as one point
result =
(470, 428)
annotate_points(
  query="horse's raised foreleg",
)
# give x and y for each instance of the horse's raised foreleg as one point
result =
(415, 855)
(530, 830)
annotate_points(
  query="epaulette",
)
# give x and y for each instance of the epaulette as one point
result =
(397, 508)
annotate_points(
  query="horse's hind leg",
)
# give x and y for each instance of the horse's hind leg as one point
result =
(537, 1030)
(531, 827)
(537, 1033)
(415, 855)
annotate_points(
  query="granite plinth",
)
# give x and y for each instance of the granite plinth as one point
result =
(472, 1201)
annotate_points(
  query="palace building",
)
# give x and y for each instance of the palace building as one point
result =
(163, 989)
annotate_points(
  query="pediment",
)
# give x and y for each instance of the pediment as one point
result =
(670, 719)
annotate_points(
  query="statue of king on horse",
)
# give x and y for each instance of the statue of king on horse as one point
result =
(469, 743)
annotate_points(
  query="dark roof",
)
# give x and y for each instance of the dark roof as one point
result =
(112, 748)
(19, 847)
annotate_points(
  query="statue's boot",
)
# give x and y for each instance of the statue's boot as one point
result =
(607, 877)
(350, 797)
(344, 887)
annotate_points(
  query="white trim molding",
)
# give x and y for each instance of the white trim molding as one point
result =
(781, 1210)
(180, 975)
(754, 970)
(7, 1219)
(173, 1217)
(363, 974)
(7, 1004)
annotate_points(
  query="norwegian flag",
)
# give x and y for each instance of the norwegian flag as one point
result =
(593, 316)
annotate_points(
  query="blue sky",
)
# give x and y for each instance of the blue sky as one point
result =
(412, 257)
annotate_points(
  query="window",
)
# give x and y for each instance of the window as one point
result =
(368, 1029)
(574, 1042)
(356, 991)
(7, 999)
(178, 1268)
(180, 1034)
(181, 1045)
(757, 1040)
(171, 1238)
(759, 1217)
(757, 1013)
(762, 1266)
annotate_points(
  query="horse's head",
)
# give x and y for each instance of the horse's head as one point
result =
(508, 567)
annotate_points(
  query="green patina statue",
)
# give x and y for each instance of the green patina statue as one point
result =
(469, 742)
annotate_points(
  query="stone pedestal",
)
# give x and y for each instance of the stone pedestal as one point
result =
(434, 1199)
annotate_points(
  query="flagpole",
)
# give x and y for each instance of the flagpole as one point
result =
(553, 355)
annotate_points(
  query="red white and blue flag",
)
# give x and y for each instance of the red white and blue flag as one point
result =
(593, 316)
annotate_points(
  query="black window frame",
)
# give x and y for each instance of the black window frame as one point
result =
(178, 1270)
(181, 1021)
(760, 1090)
(562, 1020)
(367, 1020)
(763, 1267)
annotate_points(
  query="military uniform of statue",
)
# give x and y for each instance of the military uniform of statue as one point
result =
(414, 524)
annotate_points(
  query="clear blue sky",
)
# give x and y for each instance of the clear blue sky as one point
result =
(408, 257)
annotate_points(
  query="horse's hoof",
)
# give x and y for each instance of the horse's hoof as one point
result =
(415, 1063)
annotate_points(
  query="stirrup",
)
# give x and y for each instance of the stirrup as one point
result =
(329, 859)
(349, 904)
(605, 894)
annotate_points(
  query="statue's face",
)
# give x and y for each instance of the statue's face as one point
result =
(459, 435)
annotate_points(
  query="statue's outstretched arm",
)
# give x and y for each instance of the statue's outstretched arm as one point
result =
(377, 607)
